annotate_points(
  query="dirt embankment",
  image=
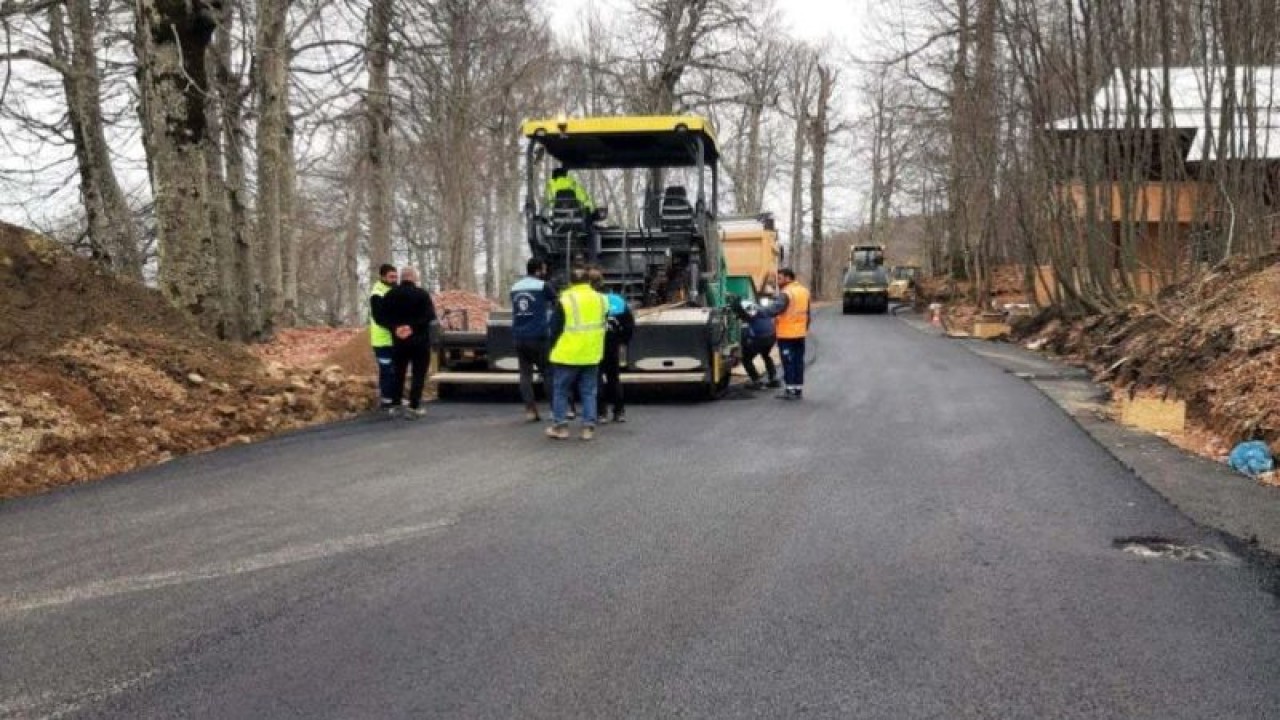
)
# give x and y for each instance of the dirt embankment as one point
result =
(99, 375)
(1213, 343)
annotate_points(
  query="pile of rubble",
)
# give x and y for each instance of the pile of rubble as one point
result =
(303, 347)
(462, 310)
(100, 375)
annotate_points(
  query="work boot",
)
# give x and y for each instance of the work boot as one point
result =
(558, 432)
(588, 432)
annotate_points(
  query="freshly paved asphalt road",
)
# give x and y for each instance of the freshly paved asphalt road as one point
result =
(923, 536)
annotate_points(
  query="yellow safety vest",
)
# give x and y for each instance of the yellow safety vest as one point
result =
(555, 185)
(585, 313)
(379, 336)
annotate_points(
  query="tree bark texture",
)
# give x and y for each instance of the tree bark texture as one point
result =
(378, 106)
(242, 276)
(271, 83)
(819, 134)
(171, 42)
(111, 230)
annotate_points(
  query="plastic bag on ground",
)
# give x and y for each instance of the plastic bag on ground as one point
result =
(1253, 458)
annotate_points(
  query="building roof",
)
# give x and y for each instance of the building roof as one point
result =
(1195, 104)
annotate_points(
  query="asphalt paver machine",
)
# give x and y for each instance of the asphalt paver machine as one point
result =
(667, 262)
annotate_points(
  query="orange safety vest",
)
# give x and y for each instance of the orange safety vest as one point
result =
(793, 323)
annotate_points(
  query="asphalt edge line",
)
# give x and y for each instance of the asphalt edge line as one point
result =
(1249, 548)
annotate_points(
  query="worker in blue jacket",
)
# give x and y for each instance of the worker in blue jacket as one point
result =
(532, 298)
(759, 335)
(620, 326)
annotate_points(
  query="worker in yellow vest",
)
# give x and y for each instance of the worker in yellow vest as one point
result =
(381, 339)
(578, 324)
(561, 180)
(792, 326)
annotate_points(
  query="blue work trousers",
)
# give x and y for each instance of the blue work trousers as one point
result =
(586, 379)
(792, 351)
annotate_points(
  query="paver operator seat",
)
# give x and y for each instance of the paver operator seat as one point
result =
(675, 213)
(567, 213)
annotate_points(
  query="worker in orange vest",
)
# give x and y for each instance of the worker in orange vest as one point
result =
(791, 308)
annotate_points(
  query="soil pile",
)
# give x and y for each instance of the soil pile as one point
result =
(304, 347)
(461, 310)
(100, 375)
(1213, 342)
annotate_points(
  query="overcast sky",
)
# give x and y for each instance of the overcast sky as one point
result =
(809, 19)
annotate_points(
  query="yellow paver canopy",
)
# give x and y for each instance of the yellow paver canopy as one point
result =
(626, 142)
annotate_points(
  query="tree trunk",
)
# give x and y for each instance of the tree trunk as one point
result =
(795, 226)
(487, 239)
(171, 42)
(378, 104)
(219, 207)
(111, 231)
(752, 197)
(819, 134)
(289, 225)
(349, 275)
(272, 86)
(244, 282)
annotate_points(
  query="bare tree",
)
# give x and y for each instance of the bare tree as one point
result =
(799, 96)
(239, 269)
(66, 45)
(110, 220)
(820, 131)
(271, 81)
(378, 134)
(171, 43)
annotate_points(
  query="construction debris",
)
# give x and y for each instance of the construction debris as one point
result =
(461, 310)
(1207, 342)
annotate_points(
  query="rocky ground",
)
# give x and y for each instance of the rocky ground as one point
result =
(100, 375)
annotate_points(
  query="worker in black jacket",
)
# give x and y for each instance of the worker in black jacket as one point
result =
(410, 313)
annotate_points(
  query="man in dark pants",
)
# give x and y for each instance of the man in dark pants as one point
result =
(792, 327)
(410, 312)
(531, 302)
(619, 328)
(758, 338)
(380, 336)
(578, 323)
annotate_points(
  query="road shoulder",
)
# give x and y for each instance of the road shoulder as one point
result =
(1210, 493)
